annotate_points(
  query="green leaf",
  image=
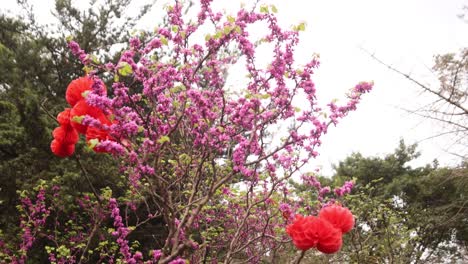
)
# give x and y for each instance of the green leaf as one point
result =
(92, 143)
(77, 119)
(87, 69)
(274, 9)
(300, 27)
(85, 94)
(227, 30)
(164, 40)
(124, 69)
(264, 9)
(164, 139)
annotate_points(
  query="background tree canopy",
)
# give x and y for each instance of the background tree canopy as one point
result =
(405, 214)
(37, 69)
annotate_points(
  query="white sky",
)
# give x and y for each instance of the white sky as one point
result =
(403, 33)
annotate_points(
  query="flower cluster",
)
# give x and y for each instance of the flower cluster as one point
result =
(82, 118)
(324, 231)
(203, 157)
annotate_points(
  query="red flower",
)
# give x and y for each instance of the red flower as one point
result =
(330, 238)
(64, 117)
(62, 150)
(82, 108)
(65, 135)
(75, 89)
(99, 134)
(303, 231)
(311, 231)
(340, 217)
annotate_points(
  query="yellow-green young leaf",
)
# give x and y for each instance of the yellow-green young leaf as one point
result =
(69, 38)
(274, 9)
(116, 78)
(87, 69)
(184, 158)
(85, 94)
(107, 194)
(297, 109)
(77, 119)
(163, 40)
(175, 29)
(95, 59)
(207, 37)
(264, 9)
(227, 30)
(63, 251)
(163, 139)
(300, 27)
(125, 69)
(231, 19)
(93, 143)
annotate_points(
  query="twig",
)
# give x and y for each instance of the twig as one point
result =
(88, 180)
(42, 105)
(299, 257)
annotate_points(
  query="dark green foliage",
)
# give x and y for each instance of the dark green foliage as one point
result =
(36, 67)
(405, 214)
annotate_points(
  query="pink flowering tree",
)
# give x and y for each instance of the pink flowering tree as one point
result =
(206, 166)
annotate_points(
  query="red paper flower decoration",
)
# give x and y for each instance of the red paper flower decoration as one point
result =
(340, 217)
(62, 150)
(330, 238)
(303, 232)
(64, 117)
(100, 135)
(65, 135)
(82, 108)
(76, 88)
(325, 231)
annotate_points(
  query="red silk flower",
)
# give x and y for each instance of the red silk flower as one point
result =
(65, 135)
(99, 134)
(75, 89)
(303, 232)
(64, 117)
(330, 238)
(82, 108)
(62, 150)
(340, 217)
(311, 231)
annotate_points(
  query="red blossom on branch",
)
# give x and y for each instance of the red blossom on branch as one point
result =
(323, 232)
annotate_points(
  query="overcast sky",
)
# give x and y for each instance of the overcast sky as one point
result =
(403, 33)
